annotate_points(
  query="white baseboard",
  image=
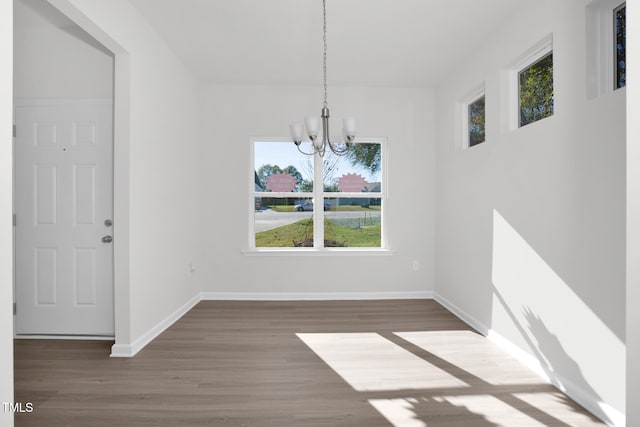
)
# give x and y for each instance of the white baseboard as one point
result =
(460, 313)
(611, 416)
(130, 350)
(315, 296)
(122, 350)
(608, 414)
(66, 337)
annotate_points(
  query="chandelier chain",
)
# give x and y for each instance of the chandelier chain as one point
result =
(319, 145)
(324, 56)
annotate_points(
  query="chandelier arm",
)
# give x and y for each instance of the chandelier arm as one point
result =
(304, 152)
(339, 151)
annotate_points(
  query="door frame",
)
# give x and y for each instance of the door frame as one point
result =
(52, 102)
(121, 172)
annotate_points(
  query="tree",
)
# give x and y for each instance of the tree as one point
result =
(306, 186)
(536, 91)
(331, 188)
(330, 164)
(291, 170)
(367, 156)
(621, 46)
(476, 122)
(265, 171)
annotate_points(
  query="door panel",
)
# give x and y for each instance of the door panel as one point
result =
(64, 271)
(46, 193)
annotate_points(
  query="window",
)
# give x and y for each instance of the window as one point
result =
(606, 46)
(302, 201)
(475, 121)
(527, 87)
(620, 48)
(535, 90)
(470, 112)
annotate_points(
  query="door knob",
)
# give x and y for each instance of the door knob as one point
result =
(107, 239)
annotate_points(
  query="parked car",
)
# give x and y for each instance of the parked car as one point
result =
(307, 205)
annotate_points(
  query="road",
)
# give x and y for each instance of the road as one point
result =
(269, 219)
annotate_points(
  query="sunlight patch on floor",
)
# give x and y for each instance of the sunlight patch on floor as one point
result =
(487, 361)
(370, 362)
(453, 411)
(558, 405)
(399, 412)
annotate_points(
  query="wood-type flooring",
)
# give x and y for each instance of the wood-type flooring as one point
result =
(335, 363)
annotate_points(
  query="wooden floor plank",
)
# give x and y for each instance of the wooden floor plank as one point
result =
(246, 364)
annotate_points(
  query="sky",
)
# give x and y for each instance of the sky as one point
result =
(286, 154)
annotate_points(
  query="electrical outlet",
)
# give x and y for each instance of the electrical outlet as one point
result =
(416, 265)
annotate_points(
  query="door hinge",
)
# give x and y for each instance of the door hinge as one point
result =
(15, 219)
(15, 308)
(15, 131)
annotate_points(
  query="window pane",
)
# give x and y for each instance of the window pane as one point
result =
(358, 171)
(283, 222)
(283, 198)
(280, 167)
(476, 122)
(536, 91)
(621, 46)
(353, 222)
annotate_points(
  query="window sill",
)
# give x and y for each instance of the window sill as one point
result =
(317, 252)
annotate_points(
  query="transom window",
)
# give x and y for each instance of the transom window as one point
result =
(535, 90)
(530, 89)
(476, 120)
(606, 47)
(620, 48)
(301, 201)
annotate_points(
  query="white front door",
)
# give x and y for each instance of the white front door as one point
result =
(63, 204)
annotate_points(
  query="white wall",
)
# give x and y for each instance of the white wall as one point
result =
(156, 200)
(234, 114)
(53, 62)
(633, 223)
(531, 223)
(6, 229)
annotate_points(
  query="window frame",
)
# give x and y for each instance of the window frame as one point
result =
(318, 194)
(520, 73)
(536, 53)
(474, 96)
(601, 48)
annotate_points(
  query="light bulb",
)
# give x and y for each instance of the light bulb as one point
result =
(296, 130)
(312, 124)
(349, 125)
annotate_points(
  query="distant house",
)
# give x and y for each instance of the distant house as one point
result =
(370, 187)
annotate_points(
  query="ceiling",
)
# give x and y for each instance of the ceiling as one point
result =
(405, 43)
(410, 43)
(31, 14)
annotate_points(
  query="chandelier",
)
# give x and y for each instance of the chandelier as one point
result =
(312, 123)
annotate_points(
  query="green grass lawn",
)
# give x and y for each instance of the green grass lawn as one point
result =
(282, 237)
(281, 208)
(333, 208)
